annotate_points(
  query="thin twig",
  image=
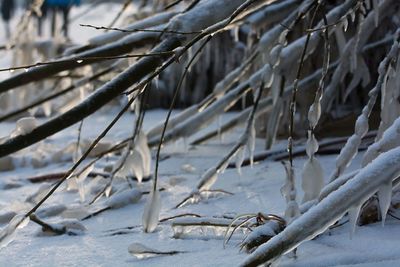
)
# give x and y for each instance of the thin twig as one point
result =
(135, 30)
(177, 90)
(81, 59)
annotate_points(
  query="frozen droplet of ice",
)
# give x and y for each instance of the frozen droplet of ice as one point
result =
(151, 212)
(314, 114)
(311, 145)
(134, 163)
(312, 179)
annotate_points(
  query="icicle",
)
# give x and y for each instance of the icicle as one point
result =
(345, 24)
(239, 160)
(108, 190)
(133, 165)
(151, 212)
(7, 234)
(375, 5)
(385, 196)
(236, 34)
(47, 109)
(138, 106)
(389, 96)
(80, 180)
(144, 150)
(251, 143)
(353, 218)
(351, 147)
(288, 191)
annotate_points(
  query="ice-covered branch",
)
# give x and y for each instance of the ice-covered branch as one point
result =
(361, 127)
(315, 221)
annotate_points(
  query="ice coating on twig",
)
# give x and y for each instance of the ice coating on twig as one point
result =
(24, 126)
(288, 191)
(350, 149)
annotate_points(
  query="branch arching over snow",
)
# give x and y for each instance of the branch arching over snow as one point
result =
(315, 221)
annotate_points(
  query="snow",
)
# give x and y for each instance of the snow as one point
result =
(111, 237)
(252, 193)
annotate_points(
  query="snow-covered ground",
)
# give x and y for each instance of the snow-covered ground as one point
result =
(108, 235)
